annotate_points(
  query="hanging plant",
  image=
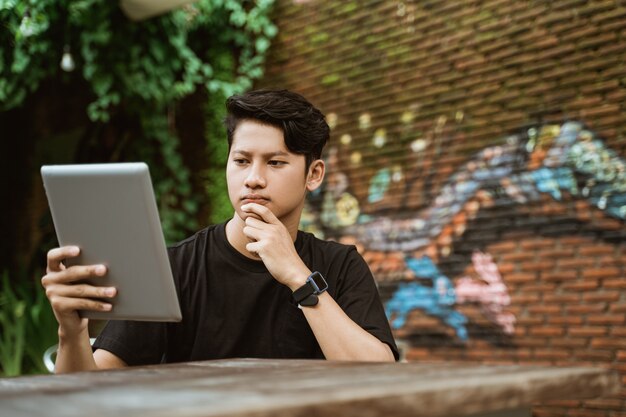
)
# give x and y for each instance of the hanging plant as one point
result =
(139, 69)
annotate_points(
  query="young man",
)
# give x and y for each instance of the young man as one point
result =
(254, 286)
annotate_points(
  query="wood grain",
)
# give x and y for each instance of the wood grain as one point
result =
(294, 388)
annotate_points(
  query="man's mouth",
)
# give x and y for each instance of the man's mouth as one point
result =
(254, 198)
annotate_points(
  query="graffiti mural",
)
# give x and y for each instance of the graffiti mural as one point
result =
(560, 161)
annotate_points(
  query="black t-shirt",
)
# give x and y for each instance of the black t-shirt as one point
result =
(233, 308)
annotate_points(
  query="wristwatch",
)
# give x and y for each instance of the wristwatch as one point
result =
(306, 295)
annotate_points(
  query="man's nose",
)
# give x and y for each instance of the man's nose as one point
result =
(255, 178)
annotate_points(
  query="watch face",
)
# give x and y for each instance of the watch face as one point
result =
(319, 282)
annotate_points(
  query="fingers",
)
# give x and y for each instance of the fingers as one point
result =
(253, 247)
(57, 255)
(254, 222)
(256, 229)
(73, 274)
(62, 286)
(253, 231)
(66, 296)
(68, 305)
(80, 291)
(263, 212)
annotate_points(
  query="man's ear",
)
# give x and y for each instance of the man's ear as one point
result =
(316, 175)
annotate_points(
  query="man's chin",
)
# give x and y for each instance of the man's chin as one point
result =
(243, 215)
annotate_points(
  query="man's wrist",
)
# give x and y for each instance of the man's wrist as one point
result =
(307, 295)
(71, 337)
(298, 279)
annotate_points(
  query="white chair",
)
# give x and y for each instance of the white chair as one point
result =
(49, 356)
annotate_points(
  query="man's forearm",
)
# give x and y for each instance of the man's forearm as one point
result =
(341, 338)
(74, 354)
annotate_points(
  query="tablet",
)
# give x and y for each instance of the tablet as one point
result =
(110, 212)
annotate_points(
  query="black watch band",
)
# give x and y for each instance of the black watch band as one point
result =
(306, 295)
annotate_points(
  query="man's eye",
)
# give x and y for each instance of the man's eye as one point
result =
(239, 161)
(277, 163)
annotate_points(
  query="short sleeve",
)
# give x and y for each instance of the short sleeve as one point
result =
(140, 342)
(358, 296)
(135, 342)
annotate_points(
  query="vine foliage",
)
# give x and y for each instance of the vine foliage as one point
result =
(138, 69)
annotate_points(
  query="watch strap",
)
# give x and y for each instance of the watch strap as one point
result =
(309, 301)
(303, 292)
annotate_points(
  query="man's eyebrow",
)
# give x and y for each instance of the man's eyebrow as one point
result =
(266, 155)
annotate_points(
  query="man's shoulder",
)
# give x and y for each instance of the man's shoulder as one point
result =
(187, 256)
(201, 236)
(327, 246)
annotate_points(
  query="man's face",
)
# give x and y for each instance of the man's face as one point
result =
(262, 170)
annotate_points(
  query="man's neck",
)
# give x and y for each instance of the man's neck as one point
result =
(238, 240)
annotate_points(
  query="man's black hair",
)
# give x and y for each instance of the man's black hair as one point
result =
(304, 127)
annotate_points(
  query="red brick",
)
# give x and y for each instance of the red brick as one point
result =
(541, 412)
(505, 246)
(547, 331)
(536, 363)
(571, 342)
(607, 319)
(559, 276)
(417, 354)
(595, 250)
(586, 308)
(581, 286)
(588, 331)
(522, 354)
(621, 355)
(617, 308)
(525, 298)
(585, 413)
(583, 102)
(601, 343)
(616, 95)
(531, 342)
(505, 267)
(558, 253)
(552, 354)
(537, 243)
(614, 13)
(543, 265)
(593, 355)
(604, 403)
(575, 263)
(519, 277)
(618, 331)
(609, 260)
(479, 354)
(602, 296)
(528, 321)
(578, 240)
(538, 287)
(561, 298)
(620, 367)
(614, 283)
(601, 272)
(563, 403)
(518, 257)
(545, 309)
(565, 320)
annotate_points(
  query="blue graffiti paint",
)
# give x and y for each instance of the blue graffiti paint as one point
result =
(552, 181)
(379, 185)
(575, 163)
(437, 300)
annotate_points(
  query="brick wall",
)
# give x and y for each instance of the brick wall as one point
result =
(477, 162)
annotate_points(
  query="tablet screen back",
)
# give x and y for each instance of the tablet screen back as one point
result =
(110, 212)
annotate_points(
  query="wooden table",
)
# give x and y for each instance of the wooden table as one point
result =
(277, 388)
